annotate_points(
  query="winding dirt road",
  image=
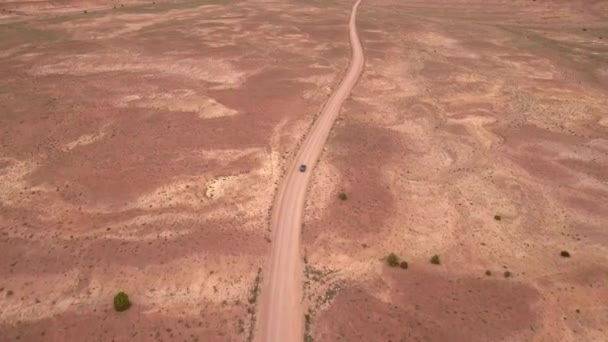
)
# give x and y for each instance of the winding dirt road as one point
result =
(281, 316)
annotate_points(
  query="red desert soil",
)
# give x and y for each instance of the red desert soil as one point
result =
(280, 310)
(140, 151)
(466, 110)
(141, 144)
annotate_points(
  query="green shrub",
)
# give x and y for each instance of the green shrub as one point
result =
(497, 217)
(404, 265)
(565, 254)
(507, 274)
(392, 260)
(342, 196)
(435, 260)
(121, 302)
(488, 273)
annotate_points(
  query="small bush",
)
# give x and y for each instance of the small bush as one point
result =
(392, 260)
(488, 273)
(497, 217)
(404, 265)
(121, 302)
(565, 254)
(342, 196)
(435, 260)
(507, 274)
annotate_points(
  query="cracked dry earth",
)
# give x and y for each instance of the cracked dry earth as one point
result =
(466, 110)
(140, 149)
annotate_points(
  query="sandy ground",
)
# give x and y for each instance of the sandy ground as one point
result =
(140, 150)
(479, 133)
(280, 317)
(141, 145)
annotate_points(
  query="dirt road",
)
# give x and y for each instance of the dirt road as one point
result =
(281, 316)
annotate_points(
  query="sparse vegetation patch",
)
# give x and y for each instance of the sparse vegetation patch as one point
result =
(253, 298)
(342, 196)
(392, 260)
(121, 302)
(435, 260)
(307, 323)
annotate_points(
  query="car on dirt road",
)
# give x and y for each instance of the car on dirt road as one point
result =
(302, 168)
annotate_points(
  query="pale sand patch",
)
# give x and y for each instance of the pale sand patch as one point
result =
(206, 69)
(444, 45)
(179, 100)
(380, 84)
(140, 232)
(184, 192)
(184, 284)
(475, 125)
(555, 108)
(247, 195)
(531, 66)
(11, 52)
(384, 88)
(423, 221)
(250, 195)
(12, 179)
(221, 186)
(350, 266)
(434, 38)
(213, 109)
(85, 139)
(15, 190)
(322, 87)
(327, 177)
(254, 190)
(120, 24)
(430, 157)
(486, 92)
(54, 289)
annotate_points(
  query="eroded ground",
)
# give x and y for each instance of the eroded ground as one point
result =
(140, 148)
(478, 132)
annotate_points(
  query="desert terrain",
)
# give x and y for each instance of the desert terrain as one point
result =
(142, 145)
(479, 133)
(140, 150)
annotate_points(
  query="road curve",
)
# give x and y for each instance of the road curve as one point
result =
(280, 315)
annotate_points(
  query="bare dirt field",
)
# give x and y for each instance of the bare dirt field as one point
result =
(140, 149)
(478, 132)
(141, 144)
